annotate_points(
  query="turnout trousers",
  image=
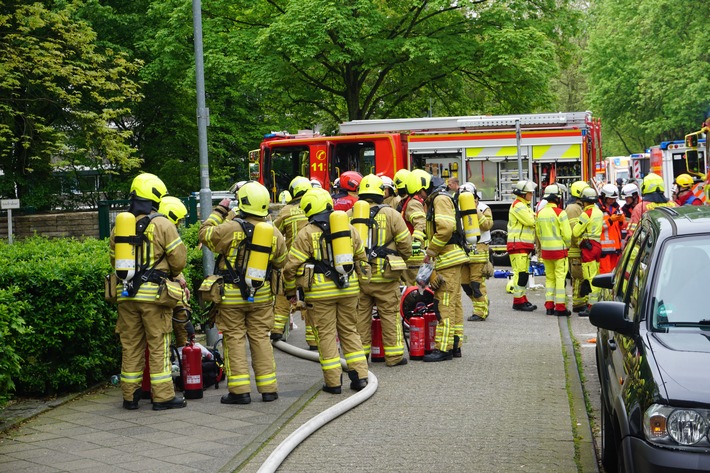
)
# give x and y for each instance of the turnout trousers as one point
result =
(337, 319)
(555, 278)
(139, 325)
(575, 271)
(520, 263)
(253, 322)
(450, 308)
(384, 295)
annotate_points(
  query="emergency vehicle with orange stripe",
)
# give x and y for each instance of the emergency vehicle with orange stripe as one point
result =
(673, 158)
(484, 150)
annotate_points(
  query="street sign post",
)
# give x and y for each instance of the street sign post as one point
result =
(9, 204)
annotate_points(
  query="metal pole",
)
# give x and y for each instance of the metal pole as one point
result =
(203, 119)
(9, 226)
(520, 156)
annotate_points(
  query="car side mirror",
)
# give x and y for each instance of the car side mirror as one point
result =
(604, 281)
(611, 315)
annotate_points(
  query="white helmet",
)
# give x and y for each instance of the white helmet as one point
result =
(523, 187)
(629, 190)
(609, 191)
(236, 186)
(468, 187)
(316, 183)
(553, 190)
(388, 182)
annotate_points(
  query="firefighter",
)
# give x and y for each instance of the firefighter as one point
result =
(574, 209)
(349, 181)
(611, 230)
(630, 193)
(331, 297)
(245, 312)
(400, 184)
(389, 244)
(175, 211)
(684, 191)
(290, 221)
(412, 210)
(391, 197)
(555, 235)
(141, 321)
(652, 189)
(473, 282)
(445, 251)
(521, 242)
(589, 231)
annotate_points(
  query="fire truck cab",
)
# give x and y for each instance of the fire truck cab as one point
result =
(672, 158)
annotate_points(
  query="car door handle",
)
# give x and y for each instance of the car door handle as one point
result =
(612, 344)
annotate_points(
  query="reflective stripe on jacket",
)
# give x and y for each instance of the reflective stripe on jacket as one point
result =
(553, 231)
(521, 226)
(440, 229)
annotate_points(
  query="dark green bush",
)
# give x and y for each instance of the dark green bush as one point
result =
(60, 297)
(12, 326)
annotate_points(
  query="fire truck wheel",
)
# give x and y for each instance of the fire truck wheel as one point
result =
(499, 238)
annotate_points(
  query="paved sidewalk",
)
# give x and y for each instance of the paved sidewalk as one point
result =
(504, 406)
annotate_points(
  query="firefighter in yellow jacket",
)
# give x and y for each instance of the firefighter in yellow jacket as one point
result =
(521, 242)
(652, 196)
(445, 251)
(331, 297)
(574, 209)
(473, 282)
(141, 320)
(246, 310)
(388, 244)
(589, 231)
(412, 210)
(290, 221)
(554, 233)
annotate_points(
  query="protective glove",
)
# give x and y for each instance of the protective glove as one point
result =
(436, 281)
(617, 218)
(276, 336)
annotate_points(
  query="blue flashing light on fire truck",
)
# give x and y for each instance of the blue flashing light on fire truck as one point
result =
(553, 147)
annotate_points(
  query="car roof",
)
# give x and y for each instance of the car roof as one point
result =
(678, 221)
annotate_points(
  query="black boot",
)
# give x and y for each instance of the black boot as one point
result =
(132, 405)
(356, 383)
(438, 355)
(563, 313)
(457, 347)
(174, 403)
(550, 311)
(231, 398)
(332, 389)
(268, 397)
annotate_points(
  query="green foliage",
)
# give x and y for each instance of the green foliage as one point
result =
(60, 295)
(62, 99)
(12, 327)
(193, 272)
(648, 65)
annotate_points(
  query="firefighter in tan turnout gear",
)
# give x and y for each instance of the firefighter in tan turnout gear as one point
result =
(159, 254)
(574, 209)
(246, 310)
(445, 251)
(324, 259)
(290, 221)
(473, 282)
(387, 242)
(412, 210)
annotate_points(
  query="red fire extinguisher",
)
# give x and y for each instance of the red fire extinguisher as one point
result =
(192, 371)
(145, 385)
(430, 333)
(377, 349)
(417, 337)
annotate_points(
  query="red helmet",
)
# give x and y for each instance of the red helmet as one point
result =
(350, 180)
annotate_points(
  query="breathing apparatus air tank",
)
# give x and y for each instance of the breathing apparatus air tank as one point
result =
(342, 243)
(125, 252)
(361, 213)
(469, 217)
(258, 260)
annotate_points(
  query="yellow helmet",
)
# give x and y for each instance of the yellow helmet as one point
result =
(684, 181)
(400, 179)
(173, 208)
(577, 187)
(299, 185)
(148, 186)
(652, 183)
(371, 185)
(285, 197)
(315, 201)
(417, 180)
(253, 198)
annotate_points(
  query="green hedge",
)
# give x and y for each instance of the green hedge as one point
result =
(54, 288)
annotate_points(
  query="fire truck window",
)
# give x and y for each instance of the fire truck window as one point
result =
(484, 175)
(358, 157)
(287, 163)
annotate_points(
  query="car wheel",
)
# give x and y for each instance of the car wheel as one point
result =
(610, 457)
(499, 237)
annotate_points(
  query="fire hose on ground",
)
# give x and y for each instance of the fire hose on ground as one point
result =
(303, 432)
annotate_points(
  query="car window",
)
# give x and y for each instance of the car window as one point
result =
(628, 259)
(637, 281)
(677, 294)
